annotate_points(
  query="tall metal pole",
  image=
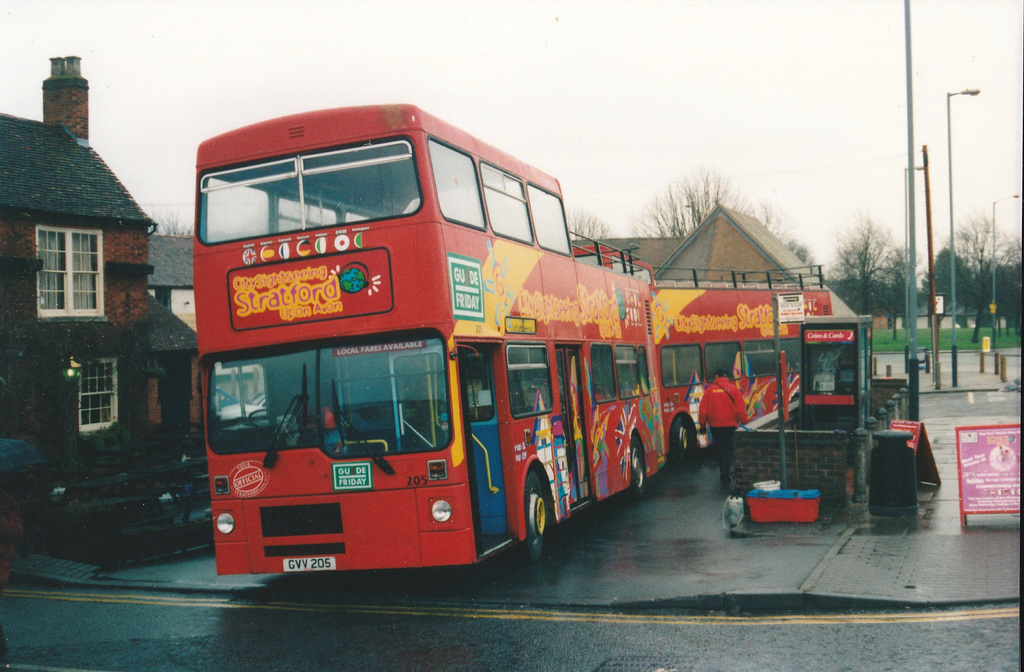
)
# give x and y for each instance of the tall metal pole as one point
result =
(992, 308)
(906, 263)
(936, 371)
(952, 246)
(913, 409)
(779, 396)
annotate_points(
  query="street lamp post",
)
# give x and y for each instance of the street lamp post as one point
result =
(992, 308)
(952, 253)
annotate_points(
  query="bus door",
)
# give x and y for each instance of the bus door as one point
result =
(484, 452)
(567, 359)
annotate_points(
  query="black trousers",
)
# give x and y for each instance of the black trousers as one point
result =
(722, 437)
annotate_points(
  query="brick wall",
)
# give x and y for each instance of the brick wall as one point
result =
(882, 390)
(124, 295)
(17, 284)
(814, 461)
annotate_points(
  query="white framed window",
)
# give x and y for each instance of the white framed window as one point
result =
(71, 280)
(97, 394)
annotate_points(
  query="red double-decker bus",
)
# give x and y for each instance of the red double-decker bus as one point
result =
(405, 361)
(700, 330)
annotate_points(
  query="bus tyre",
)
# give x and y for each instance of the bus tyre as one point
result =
(536, 516)
(637, 468)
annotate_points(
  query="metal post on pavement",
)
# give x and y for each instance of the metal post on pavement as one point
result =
(992, 308)
(860, 472)
(912, 372)
(898, 402)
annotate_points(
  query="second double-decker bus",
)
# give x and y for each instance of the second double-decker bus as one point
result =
(404, 362)
(730, 327)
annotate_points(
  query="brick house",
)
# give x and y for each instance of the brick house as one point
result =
(73, 274)
(728, 245)
(174, 406)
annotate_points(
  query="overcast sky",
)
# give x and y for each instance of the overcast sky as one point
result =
(799, 103)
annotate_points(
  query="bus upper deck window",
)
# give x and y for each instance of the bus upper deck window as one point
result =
(506, 205)
(549, 220)
(457, 190)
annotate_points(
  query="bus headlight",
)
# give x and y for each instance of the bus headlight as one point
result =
(225, 523)
(441, 510)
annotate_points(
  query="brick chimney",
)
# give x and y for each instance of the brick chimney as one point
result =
(66, 96)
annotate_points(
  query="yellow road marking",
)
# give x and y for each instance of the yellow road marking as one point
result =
(513, 614)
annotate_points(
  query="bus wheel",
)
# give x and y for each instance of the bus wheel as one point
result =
(638, 479)
(536, 516)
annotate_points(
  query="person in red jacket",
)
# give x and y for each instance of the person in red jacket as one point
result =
(723, 409)
(11, 529)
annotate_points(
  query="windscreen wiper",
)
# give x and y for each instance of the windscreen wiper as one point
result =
(299, 403)
(343, 423)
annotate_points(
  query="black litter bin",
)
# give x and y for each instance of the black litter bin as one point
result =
(893, 487)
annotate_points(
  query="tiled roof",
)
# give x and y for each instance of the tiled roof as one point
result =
(770, 245)
(654, 251)
(171, 257)
(44, 169)
(167, 333)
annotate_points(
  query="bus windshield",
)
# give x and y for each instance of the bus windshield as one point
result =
(358, 400)
(333, 188)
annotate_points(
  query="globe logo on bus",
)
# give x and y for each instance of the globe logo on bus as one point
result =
(353, 278)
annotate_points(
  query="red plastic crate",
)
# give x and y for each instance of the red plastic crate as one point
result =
(783, 506)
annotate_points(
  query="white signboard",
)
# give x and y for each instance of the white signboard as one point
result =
(791, 308)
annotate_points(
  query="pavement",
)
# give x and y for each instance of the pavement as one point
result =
(672, 551)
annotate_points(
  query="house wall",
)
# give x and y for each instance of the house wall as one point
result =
(124, 295)
(730, 249)
(39, 405)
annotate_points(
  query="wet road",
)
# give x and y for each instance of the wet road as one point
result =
(51, 629)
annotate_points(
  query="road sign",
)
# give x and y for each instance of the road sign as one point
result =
(791, 308)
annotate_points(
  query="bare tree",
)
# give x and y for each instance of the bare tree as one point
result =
(685, 204)
(585, 223)
(974, 272)
(170, 222)
(867, 268)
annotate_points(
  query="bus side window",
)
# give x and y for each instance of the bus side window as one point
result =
(548, 220)
(645, 375)
(457, 188)
(760, 356)
(603, 365)
(721, 356)
(791, 346)
(627, 372)
(681, 365)
(506, 205)
(529, 380)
